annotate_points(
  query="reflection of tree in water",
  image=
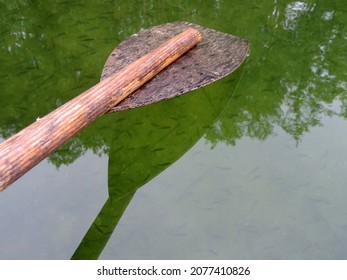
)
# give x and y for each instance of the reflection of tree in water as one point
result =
(294, 77)
(50, 53)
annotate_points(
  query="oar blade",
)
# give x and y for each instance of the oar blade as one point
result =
(215, 57)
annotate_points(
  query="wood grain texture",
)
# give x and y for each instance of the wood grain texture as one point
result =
(218, 55)
(24, 150)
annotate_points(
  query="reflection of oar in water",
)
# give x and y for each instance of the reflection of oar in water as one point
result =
(144, 145)
(219, 55)
(209, 61)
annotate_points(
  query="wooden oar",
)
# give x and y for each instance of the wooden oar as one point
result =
(25, 149)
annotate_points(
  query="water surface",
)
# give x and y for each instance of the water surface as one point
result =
(251, 167)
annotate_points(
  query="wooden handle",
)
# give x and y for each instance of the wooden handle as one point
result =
(24, 150)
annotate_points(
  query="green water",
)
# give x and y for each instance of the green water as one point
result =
(251, 167)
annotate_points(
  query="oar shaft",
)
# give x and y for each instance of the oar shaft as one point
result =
(24, 150)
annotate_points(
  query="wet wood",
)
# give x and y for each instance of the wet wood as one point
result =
(218, 55)
(24, 150)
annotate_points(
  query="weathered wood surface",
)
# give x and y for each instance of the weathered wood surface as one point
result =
(216, 56)
(25, 149)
